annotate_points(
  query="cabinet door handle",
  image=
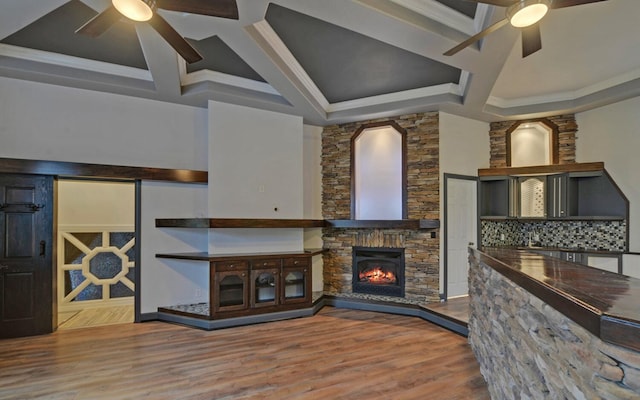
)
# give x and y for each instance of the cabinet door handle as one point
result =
(43, 246)
(4, 267)
(295, 263)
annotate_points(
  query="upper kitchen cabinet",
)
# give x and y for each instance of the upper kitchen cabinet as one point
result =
(597, 196)
(571, 191)
(497, 197)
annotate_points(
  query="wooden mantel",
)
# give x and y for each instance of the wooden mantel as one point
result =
(296, 223)
(542, 169)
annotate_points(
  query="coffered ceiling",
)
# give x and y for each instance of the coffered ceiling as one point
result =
(334, 61)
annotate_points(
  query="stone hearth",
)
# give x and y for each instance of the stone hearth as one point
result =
(423, 202)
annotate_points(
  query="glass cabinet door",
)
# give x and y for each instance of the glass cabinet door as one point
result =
(231, 290)
(295, 283)
(532, 197)
(264, 287)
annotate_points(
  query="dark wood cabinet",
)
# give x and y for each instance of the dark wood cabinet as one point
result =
(296, 281)
(265, 283)
(247, 284)
(229, 281)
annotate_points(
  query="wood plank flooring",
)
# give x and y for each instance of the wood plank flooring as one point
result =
(96, 317)
(457, 307)
(336, 354)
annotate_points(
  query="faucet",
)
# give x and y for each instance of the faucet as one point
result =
(530, 244)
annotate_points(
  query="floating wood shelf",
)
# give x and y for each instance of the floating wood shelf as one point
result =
(238, 223)
(384, 224)
(296, 223)
(226, 257)
(542, 169)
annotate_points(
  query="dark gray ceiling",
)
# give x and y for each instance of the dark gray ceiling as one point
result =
(217, 56)
(467, 8)
(346, 65)
(55, 32)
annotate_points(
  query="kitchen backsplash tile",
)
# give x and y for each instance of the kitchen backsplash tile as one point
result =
(602, 235)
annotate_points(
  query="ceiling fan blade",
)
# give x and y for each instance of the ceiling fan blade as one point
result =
(174, 39)
(477, 37)
(531, 40)
(499, 3)
(571, 3)
(214, 8)
(97, 25)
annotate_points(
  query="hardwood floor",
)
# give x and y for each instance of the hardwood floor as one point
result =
(457, 307)
(96, 317)
(336, 354)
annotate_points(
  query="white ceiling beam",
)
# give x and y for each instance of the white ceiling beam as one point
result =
(162, 60)
(255, 45)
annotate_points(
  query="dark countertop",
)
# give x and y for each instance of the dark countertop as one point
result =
(604, 303)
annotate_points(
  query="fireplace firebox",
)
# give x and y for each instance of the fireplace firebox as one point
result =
(378, 270)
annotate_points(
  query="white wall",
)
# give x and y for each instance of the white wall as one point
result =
(166, 281)
(255, 171)
(464, 148)
(96, 203)
(47, 122)
(312, 196)
(612, 134)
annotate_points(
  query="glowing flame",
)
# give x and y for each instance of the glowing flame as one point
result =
(376, 274)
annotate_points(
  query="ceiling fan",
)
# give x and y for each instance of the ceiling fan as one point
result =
(145, 10)
(523, 14)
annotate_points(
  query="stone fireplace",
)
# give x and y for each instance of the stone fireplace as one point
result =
(421, 246)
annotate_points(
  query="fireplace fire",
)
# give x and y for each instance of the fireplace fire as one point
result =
(378, 270)
(377, 274)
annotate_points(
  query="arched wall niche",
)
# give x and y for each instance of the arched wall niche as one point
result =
(379, 172)
(532, 142)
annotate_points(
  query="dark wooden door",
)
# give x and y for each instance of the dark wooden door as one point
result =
(26, 261)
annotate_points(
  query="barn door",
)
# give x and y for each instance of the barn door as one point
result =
(26, 267)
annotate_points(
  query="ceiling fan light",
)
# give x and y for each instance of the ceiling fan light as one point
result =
(527, 12)
(137, 10)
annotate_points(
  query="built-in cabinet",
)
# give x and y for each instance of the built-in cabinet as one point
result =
(560, 195)
(247, 284)
(229, 286)
(250, 285)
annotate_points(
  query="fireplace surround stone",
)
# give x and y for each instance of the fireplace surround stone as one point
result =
(423, 202)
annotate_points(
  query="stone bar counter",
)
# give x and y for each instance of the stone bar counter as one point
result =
(543, 328)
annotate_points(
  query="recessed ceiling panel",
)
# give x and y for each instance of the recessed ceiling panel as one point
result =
(54, 32)
(467, 8)
(217, 56)
(346, 65)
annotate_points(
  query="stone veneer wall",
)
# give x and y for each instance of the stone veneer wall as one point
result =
(528, 350)
(423, 202)
(567, 128)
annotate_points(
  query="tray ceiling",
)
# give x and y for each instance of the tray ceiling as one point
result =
(334, 61)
